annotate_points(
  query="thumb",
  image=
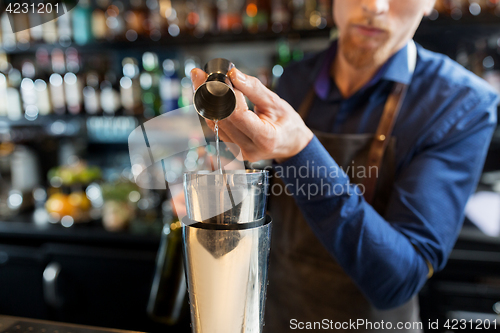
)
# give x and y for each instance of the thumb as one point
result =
(257, 93)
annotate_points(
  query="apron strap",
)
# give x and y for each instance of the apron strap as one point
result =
(382, 135)
(385, 126)
(306, 104)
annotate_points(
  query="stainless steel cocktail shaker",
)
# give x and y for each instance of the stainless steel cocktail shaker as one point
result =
(226, 244)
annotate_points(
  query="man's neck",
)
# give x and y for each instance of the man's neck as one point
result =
(348, 78)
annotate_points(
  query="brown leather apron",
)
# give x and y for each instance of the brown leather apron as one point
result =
(306, 284)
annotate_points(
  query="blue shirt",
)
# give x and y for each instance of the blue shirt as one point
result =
(443, 131)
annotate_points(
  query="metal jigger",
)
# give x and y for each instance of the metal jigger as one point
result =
(227, 255)
(215, 98)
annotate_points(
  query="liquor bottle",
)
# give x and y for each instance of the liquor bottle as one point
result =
(8, 37)
(115, 21)
(154, 20)
(57, 93)
(14, 106)
(35, 23)
(64, 28)
(21, 24)
(205, 18)
(256, 16)
(168, 291)
(280, 16)
(42, 97)
(181, 11)
(56, 80)
(135, 17)
(130, 89)
(170, 86)
(186, 83)
(49, 28)
(43, 72)
(4, 68)
(229, 16)
(28, 93)
(82, 22)
(91, 93)
(72, 89)
(3, 95)
(58, 62)
(165, 9)
(150, 81)
(99, 27)
(110, 97)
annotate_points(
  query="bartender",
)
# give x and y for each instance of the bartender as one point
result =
(377, 143)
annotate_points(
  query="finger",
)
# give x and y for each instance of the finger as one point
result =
(234, 148)
(234, 134)
(256, 129)
(198, 76)
(256, 92)
(241, 102)
(210, 124)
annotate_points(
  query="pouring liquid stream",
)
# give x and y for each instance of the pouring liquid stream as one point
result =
(219, 166)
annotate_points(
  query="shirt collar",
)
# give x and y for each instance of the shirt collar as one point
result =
(396, 69)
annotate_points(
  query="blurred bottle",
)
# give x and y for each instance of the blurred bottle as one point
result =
(82, 22)
(14, 106)
(165, 11)
(150, 82)
(135, 17)
(49, 28)
(91, 93)
(110, 96)
(73, 89)
(58, 61)
(115, 20)
(3, 95)
(64, 29)
(42, 89)
(170, 86)
(205, 18)
(130, 89)
(168, 290)
(299, 21)
(21, 25)
(186, 83)
(229, 16)
(179, 16)
(99, 27)
(56, 81)
(28, 93)
(8, 37)
(4, 68)
(280, 16)
(35, 23)
(154, 20)
(256, 16)
(72, 82)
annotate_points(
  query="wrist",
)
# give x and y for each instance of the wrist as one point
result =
(302, 141)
